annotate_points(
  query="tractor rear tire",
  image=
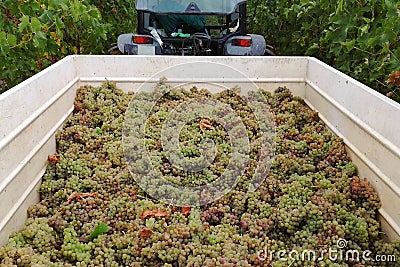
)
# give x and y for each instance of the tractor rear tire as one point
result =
(269, 51)
(114, 50)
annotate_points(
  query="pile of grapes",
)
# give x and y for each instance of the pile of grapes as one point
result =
(93, 213)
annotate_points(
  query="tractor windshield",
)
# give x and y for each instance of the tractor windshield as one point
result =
(188, 6)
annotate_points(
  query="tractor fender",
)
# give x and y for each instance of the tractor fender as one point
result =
(128, 47)
(257, 47)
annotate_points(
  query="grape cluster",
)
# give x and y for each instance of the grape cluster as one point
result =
(311, 198)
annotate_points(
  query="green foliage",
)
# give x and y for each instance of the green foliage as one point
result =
(360, 38)
(100, 229)
(121, 15)
(36, 33)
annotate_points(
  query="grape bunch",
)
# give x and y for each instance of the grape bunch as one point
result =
(93, 213)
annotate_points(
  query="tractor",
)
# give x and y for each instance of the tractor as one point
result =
(195, 28)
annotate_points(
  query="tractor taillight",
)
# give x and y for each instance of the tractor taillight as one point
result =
(142, 40)
(241, 42)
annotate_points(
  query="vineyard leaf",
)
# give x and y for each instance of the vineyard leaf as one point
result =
(25, 8)
(53, 159)
(24, 23)
(36, 24)
(185, 210)
(98, 131)
(46, 14)
(40, 40)
(312, 50)
(34, 6)
(3, 43)
(153, 213)
(390, 4)
(59, 27)
(63, 4)
(387, 36)
(364, 29)
(80, 195)
(348, 45)
(160, 213)
(100, 229)
(76, 10)
(145, 232)
(373, 41)
(150, 222)
(205, 124)
(3, 37)
(11, 39)
(394, 78)
(146, 214)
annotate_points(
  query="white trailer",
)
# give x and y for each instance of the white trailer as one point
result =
(31, 113)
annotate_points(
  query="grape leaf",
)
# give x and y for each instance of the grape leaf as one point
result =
(53, 159)
(153, 213)
(40, 40)
(36, 24)
(24, 23)
(205, 124)
(394, 78)
(145, 232)
(100, 229)
(185, 210)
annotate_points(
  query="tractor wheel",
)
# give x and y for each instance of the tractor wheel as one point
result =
(113, 50)
(269, 51)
